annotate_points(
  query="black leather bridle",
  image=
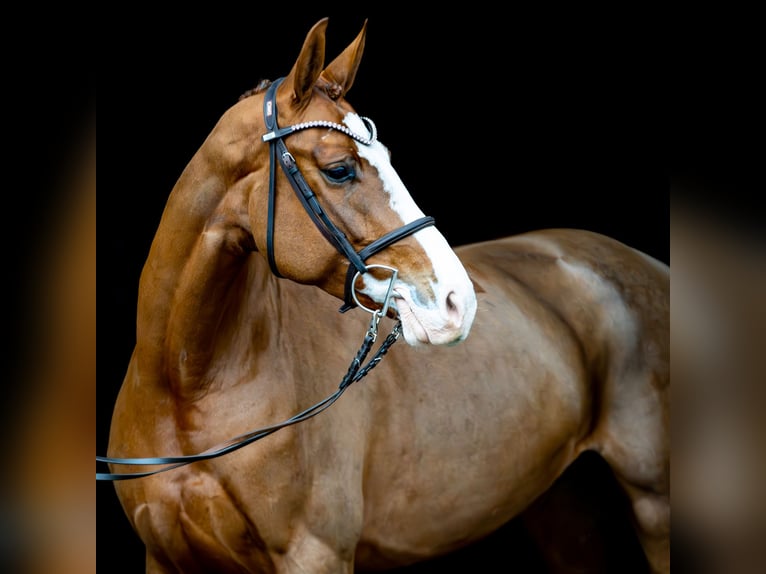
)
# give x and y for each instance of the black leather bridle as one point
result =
(278, 152)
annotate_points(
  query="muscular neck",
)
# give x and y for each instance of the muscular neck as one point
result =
(198, 256)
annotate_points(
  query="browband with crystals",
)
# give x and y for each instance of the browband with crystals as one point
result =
(282, 132)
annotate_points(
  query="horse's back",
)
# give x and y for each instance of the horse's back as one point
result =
(524, 255)
(597, 285)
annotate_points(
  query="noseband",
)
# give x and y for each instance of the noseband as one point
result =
(278, 150)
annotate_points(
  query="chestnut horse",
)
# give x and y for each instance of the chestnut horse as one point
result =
(521, 353)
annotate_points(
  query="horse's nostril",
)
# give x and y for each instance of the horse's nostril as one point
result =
(451, 306)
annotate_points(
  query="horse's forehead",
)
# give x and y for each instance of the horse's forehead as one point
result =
(325, 108)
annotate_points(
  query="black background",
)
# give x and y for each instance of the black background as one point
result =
(497, 125)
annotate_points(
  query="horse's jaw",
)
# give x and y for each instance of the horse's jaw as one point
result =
(447, 324)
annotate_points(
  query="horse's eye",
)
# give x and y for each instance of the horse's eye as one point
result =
(339, 173)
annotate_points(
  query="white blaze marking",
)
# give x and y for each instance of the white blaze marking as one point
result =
(400, 199)
(446, 265)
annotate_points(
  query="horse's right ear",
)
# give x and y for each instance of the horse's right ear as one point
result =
(309, 64)
(342, 70)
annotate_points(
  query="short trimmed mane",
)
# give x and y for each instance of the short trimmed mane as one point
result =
(262, 86)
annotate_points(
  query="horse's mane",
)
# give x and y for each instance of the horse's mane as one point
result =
(260, 87)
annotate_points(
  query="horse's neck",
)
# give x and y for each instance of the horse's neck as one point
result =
(198, 266)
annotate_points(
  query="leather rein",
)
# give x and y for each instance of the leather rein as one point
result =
(357, 369)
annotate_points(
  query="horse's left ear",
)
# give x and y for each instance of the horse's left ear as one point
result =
(309, 64)
(340, 73)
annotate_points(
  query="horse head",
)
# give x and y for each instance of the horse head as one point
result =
(325, 206)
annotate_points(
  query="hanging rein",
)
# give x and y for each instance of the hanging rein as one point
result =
(357, 369)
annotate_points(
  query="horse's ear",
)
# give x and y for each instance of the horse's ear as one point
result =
(342, 70)
(309, 64)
